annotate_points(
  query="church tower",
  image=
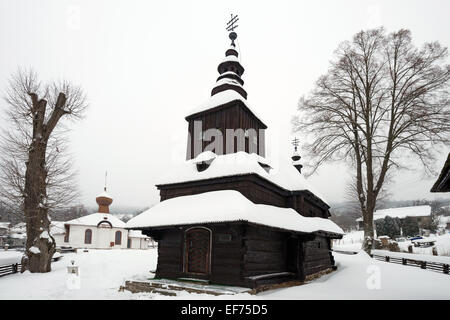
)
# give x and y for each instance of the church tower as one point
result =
(228, 216)
(225, 123)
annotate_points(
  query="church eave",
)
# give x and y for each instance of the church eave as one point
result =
(275, 187)
(149, 229)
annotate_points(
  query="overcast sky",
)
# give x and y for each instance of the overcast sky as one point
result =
(145, 64)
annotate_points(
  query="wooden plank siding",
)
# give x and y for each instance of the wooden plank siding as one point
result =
(253, 187)
(232, 115)
(226, 254)
(317, 255)
(240, 250)
(265, 251)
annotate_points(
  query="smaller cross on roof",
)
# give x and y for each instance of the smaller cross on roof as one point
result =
(295, 143)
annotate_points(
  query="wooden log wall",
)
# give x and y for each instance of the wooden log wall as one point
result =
(226, 254)
(249, 187)
(255, 188)
(265, 251)
(170, 254)
(317, 255)
(235, 116)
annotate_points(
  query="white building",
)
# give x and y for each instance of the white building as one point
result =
(136, 240)
(100, 230)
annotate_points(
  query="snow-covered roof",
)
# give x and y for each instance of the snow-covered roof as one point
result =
(231, 57)
(4, 225)
(105, 195)
(285, 176)
(95, 218)
(222, 98)
(227, 81)
(136, 234)
(204, 156)
(229, 72)
(402, 212)
(443, 220)
(18, 235)
(18, 228)
(228, 206)
(57, 227)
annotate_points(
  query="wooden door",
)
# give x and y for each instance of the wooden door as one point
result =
(198, 250)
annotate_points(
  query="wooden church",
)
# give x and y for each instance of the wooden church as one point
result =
(226, 214)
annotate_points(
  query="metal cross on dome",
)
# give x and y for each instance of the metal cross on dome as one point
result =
(295, 143)
(231, 24)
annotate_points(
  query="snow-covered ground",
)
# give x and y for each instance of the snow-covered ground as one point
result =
(351, 241)
(442, 245)
(102, 272)
(10, 257)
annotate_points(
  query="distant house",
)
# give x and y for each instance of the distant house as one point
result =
(58, 230)
(136, 240)
(421, 213)
(17, 235)
(442, 184)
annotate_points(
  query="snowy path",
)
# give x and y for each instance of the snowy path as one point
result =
(104, 271)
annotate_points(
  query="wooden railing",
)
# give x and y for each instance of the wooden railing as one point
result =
(10, 268)
(433, 266)
(15, 267)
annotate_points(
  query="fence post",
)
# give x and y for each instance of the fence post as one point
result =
(387, 258)
(404, 261)
(14, 268)
(423, 265)
(446, 267)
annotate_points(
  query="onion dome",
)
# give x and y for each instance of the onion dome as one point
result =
(104, 200)
(230, 70)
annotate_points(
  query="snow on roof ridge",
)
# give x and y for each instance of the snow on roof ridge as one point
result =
(104, 194)
(204, 156)
(401, 212)
(231, 58)
(94, 219)
(285, 176)
(228, 206)
(228, 81)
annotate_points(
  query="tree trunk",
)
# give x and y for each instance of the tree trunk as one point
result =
(369, 234)
(40, 246)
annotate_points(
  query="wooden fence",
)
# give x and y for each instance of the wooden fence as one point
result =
(10, 268)
(15, 267)
(433, 266)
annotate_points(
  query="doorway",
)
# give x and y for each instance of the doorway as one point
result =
(198, 250)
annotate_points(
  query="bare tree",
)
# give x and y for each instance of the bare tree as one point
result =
(382, 100)
(36, 172)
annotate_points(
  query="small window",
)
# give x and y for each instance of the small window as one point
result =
(88, 236)
(118, 239)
